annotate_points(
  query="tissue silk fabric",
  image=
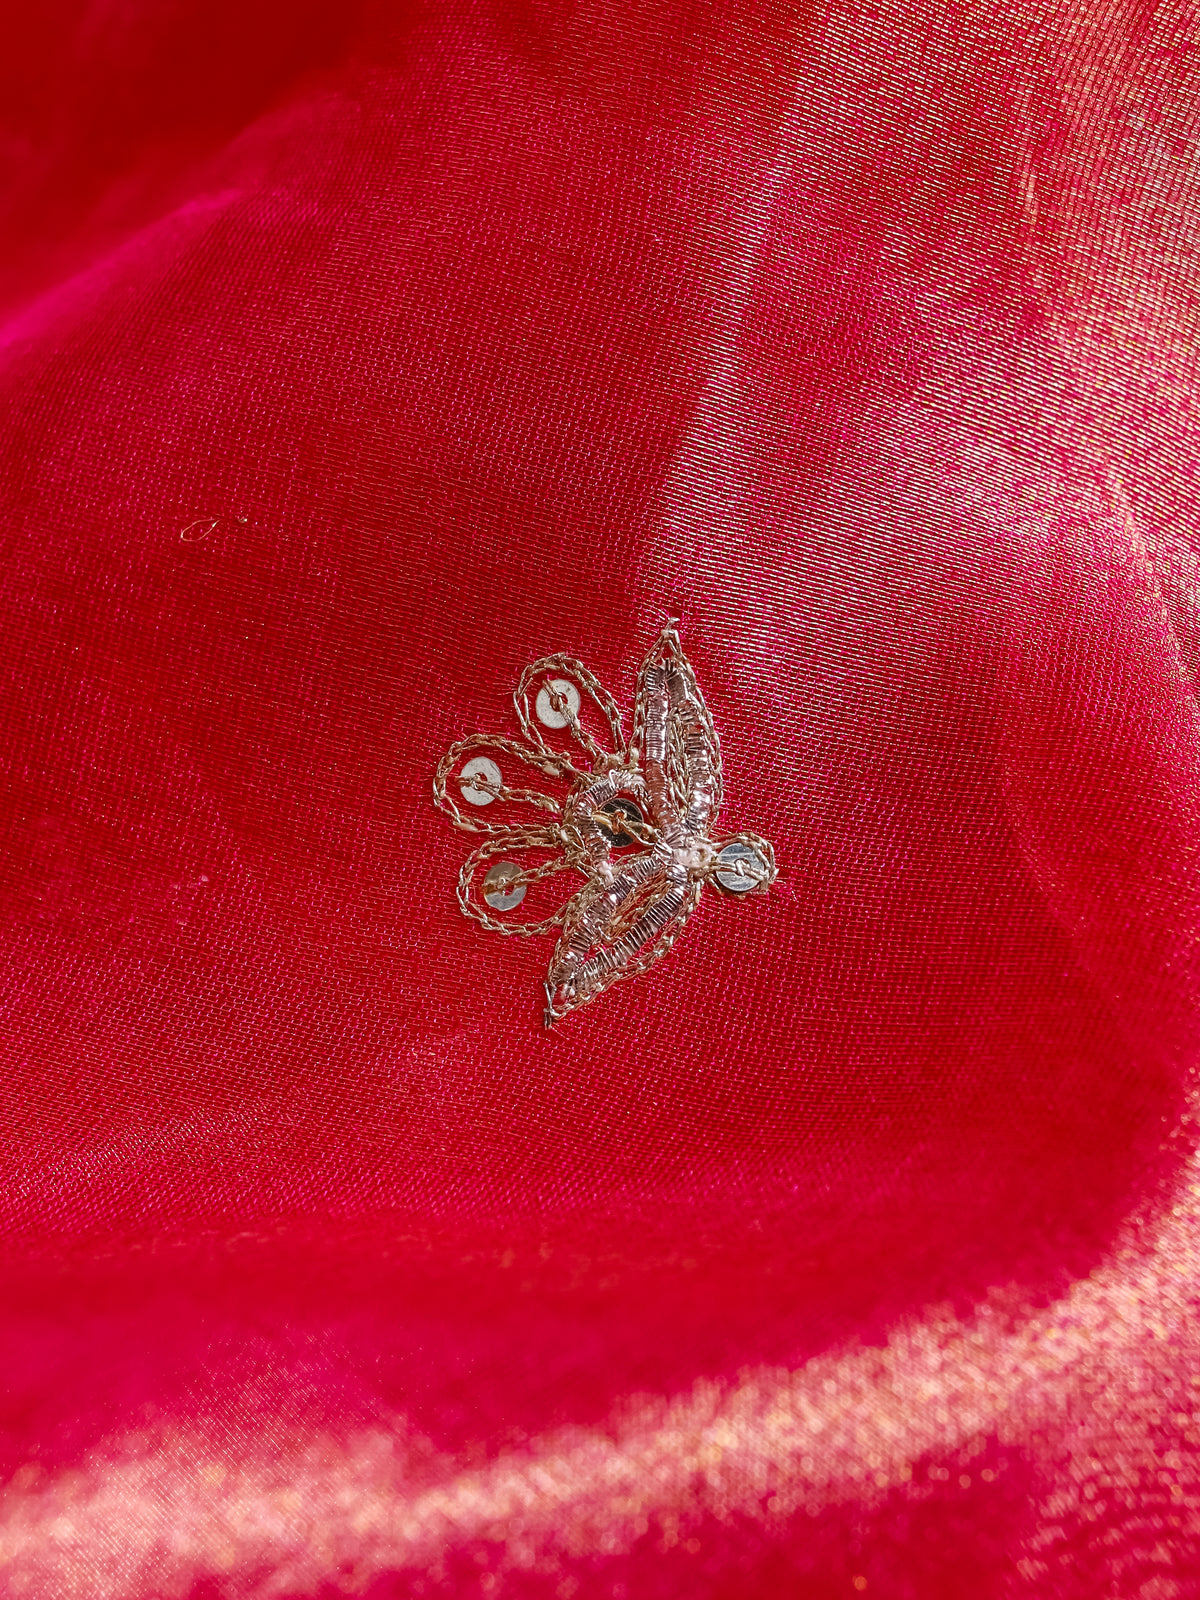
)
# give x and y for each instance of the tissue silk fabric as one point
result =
(354, 356)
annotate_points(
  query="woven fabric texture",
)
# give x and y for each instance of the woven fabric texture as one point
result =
(354, 355)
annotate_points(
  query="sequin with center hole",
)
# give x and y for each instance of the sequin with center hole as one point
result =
(558, 703)
(740, 869)
(496, 890)
(480, 767)
(621, 807)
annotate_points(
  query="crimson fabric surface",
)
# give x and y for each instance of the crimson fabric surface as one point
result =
(354, 356)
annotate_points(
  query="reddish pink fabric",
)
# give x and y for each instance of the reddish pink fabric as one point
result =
(353, 357)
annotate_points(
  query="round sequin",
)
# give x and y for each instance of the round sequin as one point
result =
(740, 869)
(496, 890)
(557, 703)
(487, 770)
(624, 808)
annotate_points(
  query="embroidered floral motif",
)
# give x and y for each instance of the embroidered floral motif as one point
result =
(634, 820)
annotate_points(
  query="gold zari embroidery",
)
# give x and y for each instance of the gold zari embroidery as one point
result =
(634, 823)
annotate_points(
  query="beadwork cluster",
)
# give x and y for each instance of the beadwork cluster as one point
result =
(634, 821)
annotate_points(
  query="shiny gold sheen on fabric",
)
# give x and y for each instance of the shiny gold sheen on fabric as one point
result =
(1097, 1374)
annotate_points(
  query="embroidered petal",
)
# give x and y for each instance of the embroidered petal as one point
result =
(480, 780)
(559, 694)
(618, 929)
(515, 872)
(676, 740)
